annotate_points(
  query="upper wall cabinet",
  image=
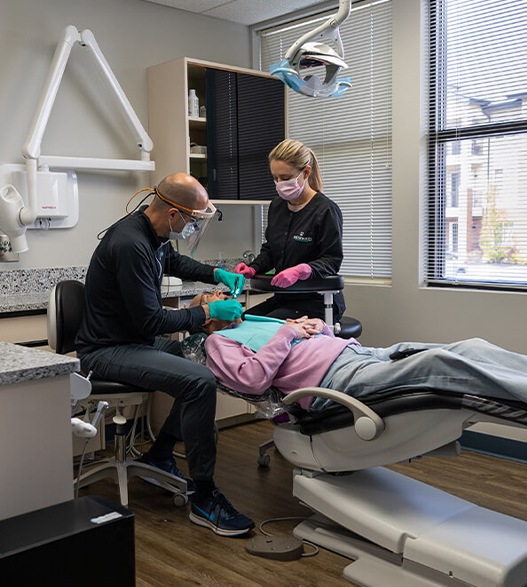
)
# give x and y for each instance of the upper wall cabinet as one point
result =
(223, 140)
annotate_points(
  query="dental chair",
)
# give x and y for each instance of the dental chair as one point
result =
(347, 327)
(65, 311)
(398, 531)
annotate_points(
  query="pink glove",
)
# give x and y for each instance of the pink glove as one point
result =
(291, 275)
(245, 270)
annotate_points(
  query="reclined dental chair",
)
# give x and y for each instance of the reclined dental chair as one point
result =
(346, 327)
(398, 531)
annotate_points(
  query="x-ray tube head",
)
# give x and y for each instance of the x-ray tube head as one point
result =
(11, 204)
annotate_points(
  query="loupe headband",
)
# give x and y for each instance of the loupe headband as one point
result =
(207, 213)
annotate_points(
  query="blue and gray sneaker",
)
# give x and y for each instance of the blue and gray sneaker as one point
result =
(218, 514)
(168, 466)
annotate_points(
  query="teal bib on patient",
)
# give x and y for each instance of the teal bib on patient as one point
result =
(254, 332)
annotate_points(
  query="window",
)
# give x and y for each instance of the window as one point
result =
(477, 197)
(351, 136)
(454, 189)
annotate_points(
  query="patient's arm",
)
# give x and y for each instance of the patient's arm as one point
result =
(240, 368)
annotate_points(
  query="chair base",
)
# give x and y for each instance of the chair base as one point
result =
(404, 533)
(122, 471)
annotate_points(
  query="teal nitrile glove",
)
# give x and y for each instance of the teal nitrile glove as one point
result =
(226, 310)
(234, 281)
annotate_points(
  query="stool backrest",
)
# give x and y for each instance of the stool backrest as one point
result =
(65, 312)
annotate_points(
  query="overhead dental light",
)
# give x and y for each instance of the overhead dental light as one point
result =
(314, 50)
(33, 196)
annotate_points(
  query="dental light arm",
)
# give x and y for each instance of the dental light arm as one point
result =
(327, 30)
(313, 50)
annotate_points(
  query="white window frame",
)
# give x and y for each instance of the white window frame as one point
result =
(477, 128)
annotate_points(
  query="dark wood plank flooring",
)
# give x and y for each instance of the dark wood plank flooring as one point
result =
(173, 552)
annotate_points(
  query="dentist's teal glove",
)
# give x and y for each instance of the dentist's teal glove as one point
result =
(234, 281)
(226, 310)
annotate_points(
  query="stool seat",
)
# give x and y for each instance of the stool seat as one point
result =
(348, 327)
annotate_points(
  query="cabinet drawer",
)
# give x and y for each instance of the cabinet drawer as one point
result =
(23, 329)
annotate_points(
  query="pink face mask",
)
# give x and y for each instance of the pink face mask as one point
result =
(289, 189)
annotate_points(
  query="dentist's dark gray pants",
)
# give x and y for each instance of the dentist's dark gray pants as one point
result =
(192, 386)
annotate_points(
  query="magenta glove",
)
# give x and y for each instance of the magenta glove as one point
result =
(291, 275)
(245, 270)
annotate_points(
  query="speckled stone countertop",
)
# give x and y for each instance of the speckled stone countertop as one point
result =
(18, 363)
(27, 290)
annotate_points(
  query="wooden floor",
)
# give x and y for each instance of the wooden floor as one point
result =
(173, 552)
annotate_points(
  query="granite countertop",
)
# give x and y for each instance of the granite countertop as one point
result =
(27, 290)
(18, 363)
(39, 301)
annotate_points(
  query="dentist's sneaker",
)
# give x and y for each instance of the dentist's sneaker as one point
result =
(218, 514)
(169, 466)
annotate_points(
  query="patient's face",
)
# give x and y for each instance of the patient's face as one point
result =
(207, 297)
(213, 324)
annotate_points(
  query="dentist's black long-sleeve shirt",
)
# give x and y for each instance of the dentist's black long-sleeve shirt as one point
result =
(123, 287)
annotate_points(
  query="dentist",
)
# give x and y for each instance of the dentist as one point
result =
(120, 337)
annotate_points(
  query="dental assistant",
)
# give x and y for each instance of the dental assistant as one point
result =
(303, 237)
(121, 340)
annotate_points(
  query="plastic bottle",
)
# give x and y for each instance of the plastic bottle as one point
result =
(193, 103)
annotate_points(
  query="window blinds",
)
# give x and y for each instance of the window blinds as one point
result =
(351, 136)
(477, 213)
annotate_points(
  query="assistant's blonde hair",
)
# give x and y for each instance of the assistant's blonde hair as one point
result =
(299, 156)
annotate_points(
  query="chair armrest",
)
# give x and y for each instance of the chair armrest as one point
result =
(368, 424)
(313, 284)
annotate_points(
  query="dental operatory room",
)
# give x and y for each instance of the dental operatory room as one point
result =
(263, 271)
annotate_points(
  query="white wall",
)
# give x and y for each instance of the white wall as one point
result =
(405, 310)
(132, 35)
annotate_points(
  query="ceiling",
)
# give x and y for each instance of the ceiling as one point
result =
(247, 12)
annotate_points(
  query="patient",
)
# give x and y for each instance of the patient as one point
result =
(258, 353)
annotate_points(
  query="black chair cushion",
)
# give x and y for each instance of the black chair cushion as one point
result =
(331, 283)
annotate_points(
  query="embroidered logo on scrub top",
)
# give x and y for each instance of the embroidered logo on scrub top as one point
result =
(302, 239)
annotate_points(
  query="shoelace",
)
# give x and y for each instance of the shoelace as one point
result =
(221, 502)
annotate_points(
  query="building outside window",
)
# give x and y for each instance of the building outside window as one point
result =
(477, 144)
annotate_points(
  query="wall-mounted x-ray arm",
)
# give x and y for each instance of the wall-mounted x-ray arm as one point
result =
(314, 50)
(87, 41)
(14, 215)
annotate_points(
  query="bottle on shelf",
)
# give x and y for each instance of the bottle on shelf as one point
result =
(193, 103)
